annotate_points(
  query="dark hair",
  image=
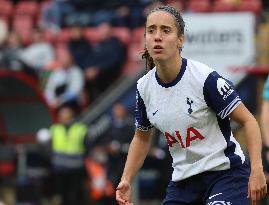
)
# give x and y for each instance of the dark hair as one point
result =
(180, 24)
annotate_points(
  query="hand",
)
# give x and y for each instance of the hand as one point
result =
(257, 187)
(123, 193)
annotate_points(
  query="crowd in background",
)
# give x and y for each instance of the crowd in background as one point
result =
(73, 49)
(37, 34)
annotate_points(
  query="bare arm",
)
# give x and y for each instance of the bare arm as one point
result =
(257, 182)
(265, 122)
(252, 134)
(137, 153)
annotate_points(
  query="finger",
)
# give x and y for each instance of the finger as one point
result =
(253, 197)
(119, 197)
(120, 186)
(258, 194)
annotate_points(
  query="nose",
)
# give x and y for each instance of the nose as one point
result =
(158, 36)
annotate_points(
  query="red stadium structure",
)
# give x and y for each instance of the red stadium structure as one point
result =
(23, 110)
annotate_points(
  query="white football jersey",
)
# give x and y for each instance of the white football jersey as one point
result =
(192, 112)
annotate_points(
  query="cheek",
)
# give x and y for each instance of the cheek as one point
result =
(173, 46)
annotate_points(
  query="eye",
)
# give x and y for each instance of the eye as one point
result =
(166, 30)
(150, 30)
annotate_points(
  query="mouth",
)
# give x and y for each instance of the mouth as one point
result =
(157, 49)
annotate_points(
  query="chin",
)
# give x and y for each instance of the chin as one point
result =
(159, 58)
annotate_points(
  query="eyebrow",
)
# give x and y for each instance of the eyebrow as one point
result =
(162, 26)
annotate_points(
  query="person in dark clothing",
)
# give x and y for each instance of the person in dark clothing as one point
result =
(10, 53)
(105, 62)
(118, 136)
(79, 47)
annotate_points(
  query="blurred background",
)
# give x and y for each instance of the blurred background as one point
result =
(68, 68)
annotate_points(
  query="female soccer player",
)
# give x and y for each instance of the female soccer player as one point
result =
(192, 105)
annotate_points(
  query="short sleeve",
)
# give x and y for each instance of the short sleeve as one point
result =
(266, 89)
(220, 95)
(141, 120)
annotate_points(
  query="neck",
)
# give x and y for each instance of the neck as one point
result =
(168, 70)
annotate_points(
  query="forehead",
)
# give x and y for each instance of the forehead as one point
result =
(160, 18)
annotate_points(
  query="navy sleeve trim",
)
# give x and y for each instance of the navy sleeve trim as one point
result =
(140, 127)
(141, 119)
(224, 113)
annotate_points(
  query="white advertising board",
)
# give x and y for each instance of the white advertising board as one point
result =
(221, 40)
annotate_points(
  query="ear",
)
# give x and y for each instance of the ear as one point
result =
(180, 41)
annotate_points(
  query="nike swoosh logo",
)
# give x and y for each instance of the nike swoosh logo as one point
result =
(214, 195)
(154, 113)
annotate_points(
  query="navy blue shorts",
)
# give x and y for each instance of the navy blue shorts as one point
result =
(227, 187)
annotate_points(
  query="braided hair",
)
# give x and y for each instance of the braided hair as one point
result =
(180, 24)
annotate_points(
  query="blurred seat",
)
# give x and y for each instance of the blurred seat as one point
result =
(178, 4)
(6, 9)
(224, 6)
(23, 25)
(123, 34)
(138, 35)
(134, 61)
(30, 8)
(254, 6)
(199, 6)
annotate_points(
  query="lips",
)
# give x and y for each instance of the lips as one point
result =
(157, 49)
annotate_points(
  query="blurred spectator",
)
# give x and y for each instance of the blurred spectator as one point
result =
(105, 63)
(68, 143)
(38, 54)
(10, 53)
(108, 153)
(120, 13)
(135, 15)
(65, 84)
(118, 136)
(79, 47)
(54, 13)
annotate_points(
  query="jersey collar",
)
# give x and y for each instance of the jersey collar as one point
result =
(177, 79)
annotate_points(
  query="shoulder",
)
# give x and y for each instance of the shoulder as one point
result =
(199, 68)
(198, 72)
(145, 80)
